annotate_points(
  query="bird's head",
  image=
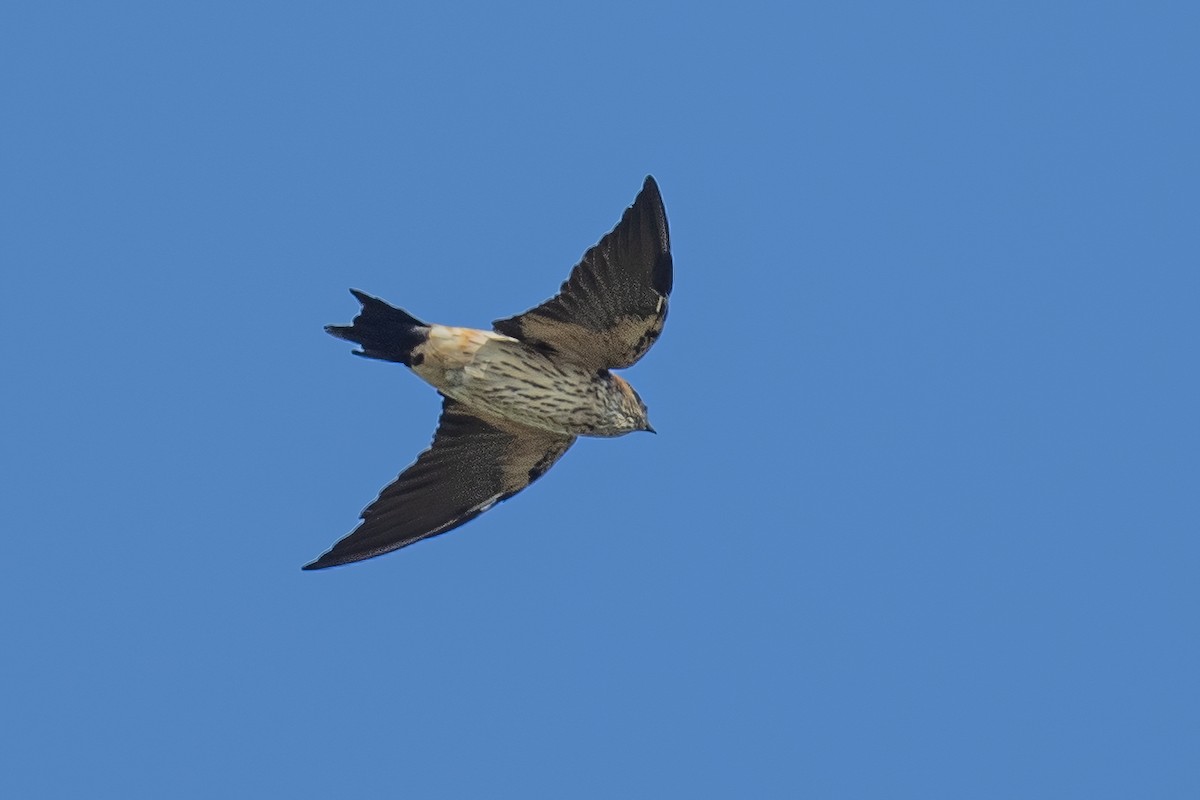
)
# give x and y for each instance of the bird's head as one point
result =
(632, 411)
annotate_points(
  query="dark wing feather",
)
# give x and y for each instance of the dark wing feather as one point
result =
(471, 465)
(612, 307)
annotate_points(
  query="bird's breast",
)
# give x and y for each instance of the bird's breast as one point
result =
(505, 378)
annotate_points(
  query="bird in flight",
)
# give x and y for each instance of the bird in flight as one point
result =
(515, 398)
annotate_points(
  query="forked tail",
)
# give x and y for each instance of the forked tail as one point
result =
(382, 331)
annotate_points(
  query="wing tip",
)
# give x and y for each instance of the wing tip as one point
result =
(662, 271)
(650, 195)
(323, 561)
(333, 559)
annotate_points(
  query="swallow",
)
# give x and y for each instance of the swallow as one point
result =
(515, 398)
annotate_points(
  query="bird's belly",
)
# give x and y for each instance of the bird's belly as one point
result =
(510, 380)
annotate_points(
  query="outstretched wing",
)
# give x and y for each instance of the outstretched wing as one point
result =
(471, 465)
(613, 306)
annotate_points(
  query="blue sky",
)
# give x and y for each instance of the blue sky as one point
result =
(921, 518)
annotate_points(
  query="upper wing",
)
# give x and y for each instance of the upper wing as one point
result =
(612, 307)
(471, 465)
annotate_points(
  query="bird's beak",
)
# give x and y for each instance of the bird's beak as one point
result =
(648, 428)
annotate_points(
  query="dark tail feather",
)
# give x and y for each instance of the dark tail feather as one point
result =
(381, 331)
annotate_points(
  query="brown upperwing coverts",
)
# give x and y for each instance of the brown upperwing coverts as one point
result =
(606, 316)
